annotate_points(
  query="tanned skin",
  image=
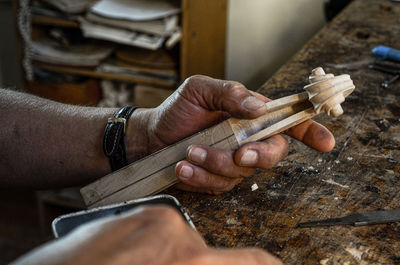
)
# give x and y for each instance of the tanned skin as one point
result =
(45, 144)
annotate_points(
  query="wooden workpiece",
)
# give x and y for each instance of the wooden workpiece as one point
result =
(155, 173)
(361, 173)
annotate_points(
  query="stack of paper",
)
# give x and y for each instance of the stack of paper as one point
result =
(48, 51)
(123, 36)
(70, 6)
(140, 23)
(136, 10)
(163, 27)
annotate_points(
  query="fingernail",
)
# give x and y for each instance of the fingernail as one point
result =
(197, 155)
(249, 158)
(186, 172)
(252, 103)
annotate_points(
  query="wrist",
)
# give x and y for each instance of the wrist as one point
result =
(136, 136)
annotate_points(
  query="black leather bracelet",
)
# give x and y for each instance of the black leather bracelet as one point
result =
(114, 144)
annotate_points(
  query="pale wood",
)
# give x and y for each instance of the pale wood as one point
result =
(277, 110)
(282, 125)
(158, 167)
(203, 38)
(326, 91)
(161, 179)
(156, 172)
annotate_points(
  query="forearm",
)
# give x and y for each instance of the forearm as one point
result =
(47, 144)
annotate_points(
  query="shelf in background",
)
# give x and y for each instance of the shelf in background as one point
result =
(90, 72)
(54, 21)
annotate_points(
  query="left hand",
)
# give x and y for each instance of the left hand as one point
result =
(201, 102)
(154, 234)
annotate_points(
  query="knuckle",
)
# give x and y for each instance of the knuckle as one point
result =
(261, 255)
(258, 252)
(269, 161)
(193, 80)
(233, 87)
(207, 180)
(165, 213)
(284, 148)
(214, 182)
(255, 254)
(223, 184)
(171, 215)
(274, 154)
(246, 172)
(203, 258)
(221, 160)
(232, 184)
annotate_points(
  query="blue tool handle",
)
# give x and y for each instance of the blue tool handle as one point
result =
(386, 53)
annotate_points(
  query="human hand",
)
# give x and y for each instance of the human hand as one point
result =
(150, 235)
(201, 102)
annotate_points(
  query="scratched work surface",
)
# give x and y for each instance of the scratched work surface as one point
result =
(361, 174)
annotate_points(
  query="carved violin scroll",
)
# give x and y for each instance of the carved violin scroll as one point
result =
(155, 173)
(326, 92)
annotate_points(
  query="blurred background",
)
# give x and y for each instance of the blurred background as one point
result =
(246, 41)
(115, 53)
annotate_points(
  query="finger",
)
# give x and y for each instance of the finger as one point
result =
(219, 162)
(263, 154)
(314, 135)
(229, 96)
(259, 96)
(245, 257)
(195, 176)
(187, 187)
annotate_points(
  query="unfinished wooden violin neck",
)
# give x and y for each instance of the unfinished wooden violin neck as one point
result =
(155, 172)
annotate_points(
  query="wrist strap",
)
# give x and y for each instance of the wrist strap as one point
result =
(114, 144)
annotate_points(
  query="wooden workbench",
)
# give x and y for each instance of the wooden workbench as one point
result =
(361, 173)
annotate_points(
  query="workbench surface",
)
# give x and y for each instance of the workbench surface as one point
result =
(361, 174)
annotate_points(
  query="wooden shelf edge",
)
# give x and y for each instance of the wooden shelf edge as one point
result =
(54, 21)
(92, 73)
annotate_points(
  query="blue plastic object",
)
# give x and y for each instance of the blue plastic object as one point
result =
(386, 53)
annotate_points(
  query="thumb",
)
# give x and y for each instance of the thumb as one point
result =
(228, 96)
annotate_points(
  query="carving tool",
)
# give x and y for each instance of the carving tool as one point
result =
(358, 219)
(156, 172)
(387, 68)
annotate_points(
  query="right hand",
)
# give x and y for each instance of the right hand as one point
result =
(157, 235)
(201, 102)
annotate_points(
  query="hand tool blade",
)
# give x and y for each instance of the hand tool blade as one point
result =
(378, 217)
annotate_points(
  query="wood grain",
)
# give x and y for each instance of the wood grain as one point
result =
(361, 174)
(155, 172)
(203, 38)
(141, 179)
(159, 59)
(54, 21)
